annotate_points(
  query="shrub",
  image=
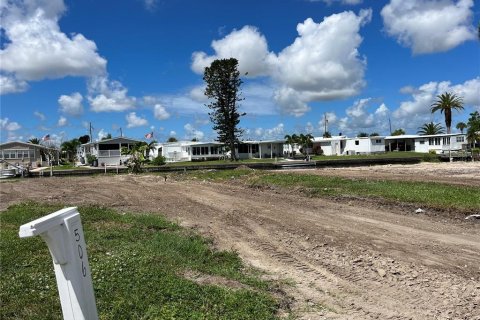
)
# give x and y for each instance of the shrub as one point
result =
(91, 158)
(431, 156)
(158, 160)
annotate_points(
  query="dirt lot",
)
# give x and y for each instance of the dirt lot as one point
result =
(339, 259)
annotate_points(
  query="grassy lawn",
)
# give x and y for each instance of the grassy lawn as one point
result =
(387, 155)
(66, 167)
(139, 265)
(436, 195)
(217, 162)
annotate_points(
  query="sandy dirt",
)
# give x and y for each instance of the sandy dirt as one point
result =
(338, 259)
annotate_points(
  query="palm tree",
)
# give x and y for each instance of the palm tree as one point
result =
(70, 148)
(445, 103)
(430, 128)
(461, 126)
(291, 140)
(34, 141)
(398, 132)
(306, 141)
(137, 156)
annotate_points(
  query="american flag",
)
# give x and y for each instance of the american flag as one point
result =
(46, 137)
(149, 135)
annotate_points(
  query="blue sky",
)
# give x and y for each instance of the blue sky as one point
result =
(137, 65)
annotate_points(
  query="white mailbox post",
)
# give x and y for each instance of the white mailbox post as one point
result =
(63, 233)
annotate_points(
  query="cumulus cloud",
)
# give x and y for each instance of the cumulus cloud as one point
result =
(423, 96)
(418, 107)
(71, 104)
(173, 133)
(428, 26)
(290, 102)
(321, 64)
(364, 115)
(277, 132)
(62, 121)
(39, 115)
(247, 45)
(8, 125)
(191, 132)
(198, 94)
(135, 121)
(102, 134)
(10, 84)
(37, 49)
(331, 118)
(106, 95)
(160, 112)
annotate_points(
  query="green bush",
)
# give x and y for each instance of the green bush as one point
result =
(158, 161)
(91, 158)
(431, 156)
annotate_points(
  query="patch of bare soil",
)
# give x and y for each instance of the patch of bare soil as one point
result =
(344, 261)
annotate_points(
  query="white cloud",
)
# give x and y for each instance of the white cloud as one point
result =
(414, 112)
(9, 84)
(38, 49)
(290, 102)
(277, 132)
(72, 104)
(191, 132)
(160, 112)
(362, 116)
(106, 95)
(62, 121)
(247, 45)
(135, 121)
(102, 134)
(429, 26)
(321, 64)
(198, 94)
(7, 125)
(173, 133)
(39, 115)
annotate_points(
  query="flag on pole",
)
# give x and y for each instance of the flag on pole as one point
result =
(149, 135)
(46, 137)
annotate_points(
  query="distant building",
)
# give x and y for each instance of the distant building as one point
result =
(108, 151)
(440, 143)
(364, 145)
(25, 154)
(189, 151)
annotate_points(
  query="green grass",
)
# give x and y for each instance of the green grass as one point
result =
(217, 162)
(138, 264)
(66, 167)
(435, 195)
(387, 155)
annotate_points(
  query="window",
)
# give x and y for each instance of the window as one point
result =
(357, 142)
(461, 139)
(243, 148)
(434, 141)
(422, 141)
(446, 140)
(379, 141)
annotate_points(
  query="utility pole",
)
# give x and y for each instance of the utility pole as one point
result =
(121, 133)
(325, 123)
(390, 124)
(91, 140)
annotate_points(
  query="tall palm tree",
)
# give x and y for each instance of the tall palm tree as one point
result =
(461, 126)
(445, 103)
(34, 141)
(430, 128)
(70, 148)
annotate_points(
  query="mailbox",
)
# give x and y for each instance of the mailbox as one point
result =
(63, 233)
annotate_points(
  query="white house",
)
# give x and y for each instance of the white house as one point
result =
(25, 154)
(440, 143)
(331, 146)
(364, 145)
(260, 149)
(189, 151)
(108, 151)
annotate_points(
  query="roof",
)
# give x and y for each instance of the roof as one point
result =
(262, 141)
(418, 136)
(27, 144)
(116, 139)
(333, 138)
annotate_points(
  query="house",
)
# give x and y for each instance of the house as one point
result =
(260, 149)
(440, 143)
(26, 154)
(364, 145)
(332, 146)
(107, 152)
(189, 151)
